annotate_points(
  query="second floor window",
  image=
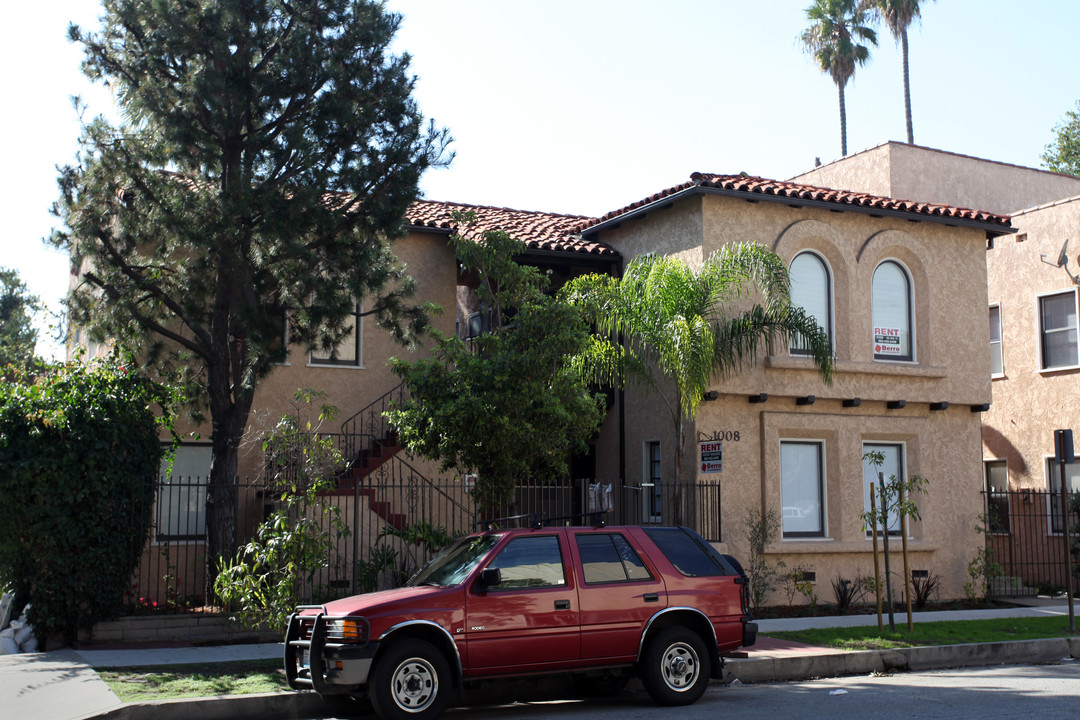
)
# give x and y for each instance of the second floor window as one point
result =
(892, 313)
(347, 352)
(1057, 327)
(997, 365)
(811, 289)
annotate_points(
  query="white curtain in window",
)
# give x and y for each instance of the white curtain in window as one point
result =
(892, 313)
(810, 290)
(892, 467)
(801, 488)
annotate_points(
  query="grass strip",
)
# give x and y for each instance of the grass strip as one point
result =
(950, 632)
(137, 684)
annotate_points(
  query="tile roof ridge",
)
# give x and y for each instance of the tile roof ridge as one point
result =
(477, 206)
(755, 185)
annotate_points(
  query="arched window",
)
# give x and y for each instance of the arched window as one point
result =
(811, 289)
(893, 338)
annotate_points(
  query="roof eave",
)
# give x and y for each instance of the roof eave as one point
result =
(991, 229)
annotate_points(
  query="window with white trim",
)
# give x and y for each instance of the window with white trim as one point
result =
(180, 502)
(892, 466)
(1072, 484)
(802, 488)
(1057, 330)
(997, 363)
(811, 289)
(893, 327)
(347, 352)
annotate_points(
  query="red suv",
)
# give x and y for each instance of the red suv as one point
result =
(602, 603)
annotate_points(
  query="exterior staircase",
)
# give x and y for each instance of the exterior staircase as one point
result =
(368, 443)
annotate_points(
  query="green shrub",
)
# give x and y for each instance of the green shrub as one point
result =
(80, 454)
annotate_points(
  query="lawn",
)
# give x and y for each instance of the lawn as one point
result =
(931, 633)
(202, 680)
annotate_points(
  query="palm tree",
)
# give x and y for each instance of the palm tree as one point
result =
(837, 28)
(898, 16)
(678, 335)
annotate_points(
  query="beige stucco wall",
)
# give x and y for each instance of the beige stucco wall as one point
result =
(947, 267)
(1029, 403)
(429, 259)
(912, 172)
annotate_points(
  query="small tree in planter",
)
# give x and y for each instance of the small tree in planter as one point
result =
(894, 501)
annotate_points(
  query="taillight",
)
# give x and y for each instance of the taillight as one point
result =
(349, 630)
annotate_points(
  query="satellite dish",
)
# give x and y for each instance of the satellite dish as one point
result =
(1062, 258)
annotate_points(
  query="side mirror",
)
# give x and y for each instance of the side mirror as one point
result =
(490, 577)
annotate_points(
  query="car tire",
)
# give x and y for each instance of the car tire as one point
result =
(675, 667)
(411, 681)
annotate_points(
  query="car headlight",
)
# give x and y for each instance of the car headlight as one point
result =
(348, 629)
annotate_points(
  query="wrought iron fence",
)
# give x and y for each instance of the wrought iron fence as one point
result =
(1024, 537)
(396, 519)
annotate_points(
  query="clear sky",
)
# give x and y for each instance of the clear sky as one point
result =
(583, 106)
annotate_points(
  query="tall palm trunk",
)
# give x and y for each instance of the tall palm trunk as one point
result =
(843, 123)
(907, 87)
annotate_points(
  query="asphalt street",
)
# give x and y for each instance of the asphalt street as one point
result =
(1031, 692)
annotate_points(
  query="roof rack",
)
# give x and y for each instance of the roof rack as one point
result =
(538, 520)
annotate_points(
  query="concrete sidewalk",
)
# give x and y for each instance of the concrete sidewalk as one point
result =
(62, 684)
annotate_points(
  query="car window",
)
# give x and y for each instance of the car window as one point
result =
(608, 557)
(690, 555)
(533, 561)
(453, 565)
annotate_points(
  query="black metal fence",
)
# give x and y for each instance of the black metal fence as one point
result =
(1024, 536)
(395, 518)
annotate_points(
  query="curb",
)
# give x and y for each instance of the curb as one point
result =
(864, 662)
(225, 707)
(746, 670)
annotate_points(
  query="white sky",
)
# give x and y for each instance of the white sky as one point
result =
(583, 106)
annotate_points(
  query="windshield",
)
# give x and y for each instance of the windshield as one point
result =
(453, 565)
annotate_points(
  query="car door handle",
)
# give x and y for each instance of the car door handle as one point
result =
(562, 604)
(652, 597)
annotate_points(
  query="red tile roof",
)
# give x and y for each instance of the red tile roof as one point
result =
(538, 230)
(749, 185)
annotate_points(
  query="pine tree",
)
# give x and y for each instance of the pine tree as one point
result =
(268, 152)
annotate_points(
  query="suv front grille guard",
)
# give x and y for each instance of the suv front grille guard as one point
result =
(313, 675)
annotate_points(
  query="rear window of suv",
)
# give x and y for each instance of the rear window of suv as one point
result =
(608, 558)
(689, 553)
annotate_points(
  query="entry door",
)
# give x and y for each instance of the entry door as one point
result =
(652, 491)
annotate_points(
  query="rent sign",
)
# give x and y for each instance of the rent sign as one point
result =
(887, 341)
(712, 456)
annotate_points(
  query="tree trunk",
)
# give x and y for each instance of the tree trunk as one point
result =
(677, 490)
(843, 123)
(907, 87)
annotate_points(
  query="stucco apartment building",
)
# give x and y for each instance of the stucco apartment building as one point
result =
(900, 288)
(1032, 312)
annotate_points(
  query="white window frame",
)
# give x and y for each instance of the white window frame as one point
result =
(830, 320)
(1039, 324)
(652, 487)
(1053, 490)
(822, 492)
(174, 491)
(999, 343)
(911, 320)
(902, 446)
(358, 363)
